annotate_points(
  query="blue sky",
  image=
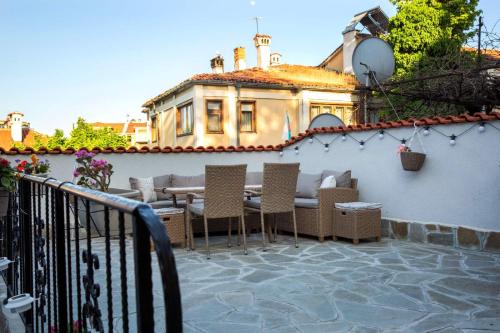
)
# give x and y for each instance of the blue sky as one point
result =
(101, 59)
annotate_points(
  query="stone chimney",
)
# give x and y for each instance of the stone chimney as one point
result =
(275, 58)
(262, 43)
(240, 61)
(15, 121)
(217, 64)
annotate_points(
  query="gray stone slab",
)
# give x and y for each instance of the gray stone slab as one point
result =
(471, 286)
(390, 286)
(376, 316)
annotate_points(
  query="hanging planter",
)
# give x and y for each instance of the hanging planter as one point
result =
(412, 161)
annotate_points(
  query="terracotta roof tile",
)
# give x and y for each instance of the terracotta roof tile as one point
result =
(478, 117)
(291, 76)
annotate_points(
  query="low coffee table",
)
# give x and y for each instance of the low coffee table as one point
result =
(173, 219)
(357, 220)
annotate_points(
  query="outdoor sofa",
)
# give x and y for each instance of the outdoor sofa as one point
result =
(314, 205)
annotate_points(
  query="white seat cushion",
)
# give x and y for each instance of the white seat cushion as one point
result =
(197, 208)
(253, 203)
(358, 205)
(306, 203)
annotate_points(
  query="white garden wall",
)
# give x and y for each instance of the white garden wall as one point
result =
(458, 185)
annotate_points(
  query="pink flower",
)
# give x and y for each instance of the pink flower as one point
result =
(76, 173)
(82, 153)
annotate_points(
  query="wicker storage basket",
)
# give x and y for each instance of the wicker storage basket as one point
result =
(412, 161)
(357, 224)
(175, 228)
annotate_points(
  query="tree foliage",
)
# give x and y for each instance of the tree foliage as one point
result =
(424, 29)
(83, 135)
(428, 38)
(57, 140)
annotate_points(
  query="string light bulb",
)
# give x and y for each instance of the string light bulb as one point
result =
(453, 139)
(361, 145)
(343, 137)
(381, 134)
(310, 139)
(426, 130)
(297, 150)
(481, 127)
(281, 153)
(327, 147)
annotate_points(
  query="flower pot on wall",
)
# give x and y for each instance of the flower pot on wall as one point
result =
(97, 214)
(412, 161)
(4, 202)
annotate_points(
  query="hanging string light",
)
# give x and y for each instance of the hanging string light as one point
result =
(382, 134)
(453, 138)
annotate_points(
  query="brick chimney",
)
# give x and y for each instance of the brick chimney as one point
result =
(217, 64)
(240, 61)
(263, 43)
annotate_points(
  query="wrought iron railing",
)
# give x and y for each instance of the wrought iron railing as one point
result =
(57, 260)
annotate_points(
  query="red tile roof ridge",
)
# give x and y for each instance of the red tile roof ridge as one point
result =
(284, 75)
(465, 118)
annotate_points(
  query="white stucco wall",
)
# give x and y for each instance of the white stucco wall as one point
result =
(458, 185)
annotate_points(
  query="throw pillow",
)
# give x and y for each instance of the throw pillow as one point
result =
(308, 185)
(162, 181)
(343, 178)
(329, 182)
(146, 186)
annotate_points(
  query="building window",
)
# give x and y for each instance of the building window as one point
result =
(343, 111)
(154, 129)
(214, 117)
(185, 119)
(247, 117)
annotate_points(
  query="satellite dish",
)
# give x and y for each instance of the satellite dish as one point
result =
(325, 120)
(373, 58)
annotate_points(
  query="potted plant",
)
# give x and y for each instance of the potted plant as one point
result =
(96, 174)
(35, 167)
(410, 160)
(7, 185)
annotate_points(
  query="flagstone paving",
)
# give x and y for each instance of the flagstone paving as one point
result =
(390, 286)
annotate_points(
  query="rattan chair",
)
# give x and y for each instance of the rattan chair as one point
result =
(223, 198)
(278, 194)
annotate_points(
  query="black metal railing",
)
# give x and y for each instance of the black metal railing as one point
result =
(49, 234)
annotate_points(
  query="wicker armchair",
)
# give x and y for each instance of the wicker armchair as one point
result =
(278, 194)
(223, 198)
(315, 216)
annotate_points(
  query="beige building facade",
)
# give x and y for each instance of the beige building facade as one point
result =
(250, 106)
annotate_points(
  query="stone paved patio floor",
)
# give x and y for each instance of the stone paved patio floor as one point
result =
(390, 286)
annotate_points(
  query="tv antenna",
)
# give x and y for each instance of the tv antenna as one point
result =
(372, 63)
(257, 18)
